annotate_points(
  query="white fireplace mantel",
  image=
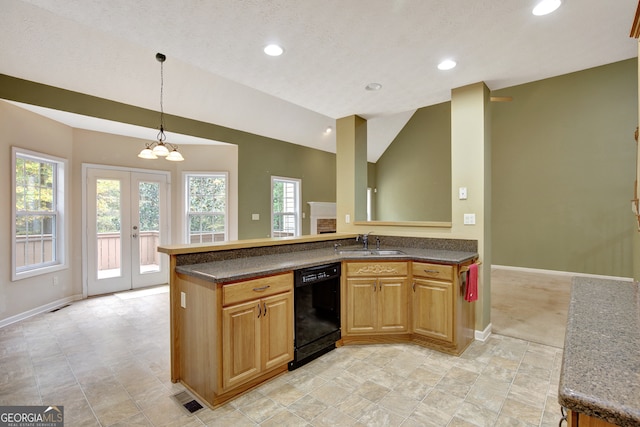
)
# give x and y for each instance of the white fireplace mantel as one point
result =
(321, 210)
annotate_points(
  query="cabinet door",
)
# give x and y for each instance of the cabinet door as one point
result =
(277, 330)
(240, 343)
(393, 308)
(433, 309)
(361, 305)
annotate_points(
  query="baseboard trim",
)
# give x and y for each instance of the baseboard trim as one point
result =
(42, 309)
(483, 335)
(559, 273)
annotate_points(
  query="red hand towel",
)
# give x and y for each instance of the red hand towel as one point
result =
(472, 283)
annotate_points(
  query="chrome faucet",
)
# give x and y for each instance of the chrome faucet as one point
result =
(365, 240)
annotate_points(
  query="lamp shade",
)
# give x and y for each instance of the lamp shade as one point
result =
(175, 156)
(161, 150)
(148, 154)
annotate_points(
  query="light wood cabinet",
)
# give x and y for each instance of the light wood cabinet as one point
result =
(231, 337)
(577, 419)
(433, 308)
(257, 334)
(377, 298)
(433, 302)
(441, 317)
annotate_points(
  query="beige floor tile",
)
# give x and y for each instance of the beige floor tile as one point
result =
(308, 407)
(284, 419)
(426, 414)
(332, 417)
(330, 393)
(476, 414)
(285, 394)
(372, 391)
(379, 417)
(235, 419)
(522, 411)
(137, 420)
(261, 409)
(357, 406)
(399, 404)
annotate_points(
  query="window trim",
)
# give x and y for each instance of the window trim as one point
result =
(185, 200)
(298, 212)
(61, 226)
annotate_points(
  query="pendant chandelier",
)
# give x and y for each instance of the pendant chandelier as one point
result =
(161, 148)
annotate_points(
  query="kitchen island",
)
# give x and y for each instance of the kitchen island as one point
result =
(232, 303)
(600, 377)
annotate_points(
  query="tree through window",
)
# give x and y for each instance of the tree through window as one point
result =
(206, 207)
(38, 208)
(285, 207)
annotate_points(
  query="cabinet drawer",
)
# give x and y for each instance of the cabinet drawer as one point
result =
(435, 271)
(256, 288)
(376, 269)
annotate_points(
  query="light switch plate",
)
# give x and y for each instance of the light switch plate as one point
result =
(347, 218)
(462, 193)
(183, 300)
(255, 217)
(469, 219)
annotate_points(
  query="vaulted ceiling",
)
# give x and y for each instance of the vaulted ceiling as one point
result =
(216, 71)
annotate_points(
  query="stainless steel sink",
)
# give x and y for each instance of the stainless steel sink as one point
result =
(386, 252)
(368, 252)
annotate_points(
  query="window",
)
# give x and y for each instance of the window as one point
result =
(206, 207)
(285, 207)
(38, 213)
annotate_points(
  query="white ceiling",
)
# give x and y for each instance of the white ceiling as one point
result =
(216, 71)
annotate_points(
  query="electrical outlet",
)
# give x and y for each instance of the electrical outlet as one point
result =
(469, 219)
(183, 300)
(55, 281)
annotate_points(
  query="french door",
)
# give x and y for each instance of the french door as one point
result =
(125, 221)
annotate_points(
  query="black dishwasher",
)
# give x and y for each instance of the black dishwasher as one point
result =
(317, 312)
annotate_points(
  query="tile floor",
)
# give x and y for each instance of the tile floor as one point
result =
(106, 360)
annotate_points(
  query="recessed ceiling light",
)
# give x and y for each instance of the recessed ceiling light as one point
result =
(273, 50)
(447, 64)
(546, 6)
(373, 86)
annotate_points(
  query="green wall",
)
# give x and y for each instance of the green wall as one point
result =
(258, 157)
(563, 172)
(413, 176)
(259, 160)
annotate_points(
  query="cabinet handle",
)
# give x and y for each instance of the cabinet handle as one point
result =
(432, 271)
(265, 310)
(259, 311)
(261, 288)
(414, 287)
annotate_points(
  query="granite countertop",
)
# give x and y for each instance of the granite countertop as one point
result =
(249, 267)
(600, 374)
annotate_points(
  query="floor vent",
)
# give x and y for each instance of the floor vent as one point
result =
(59, 308)
(187, 402)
